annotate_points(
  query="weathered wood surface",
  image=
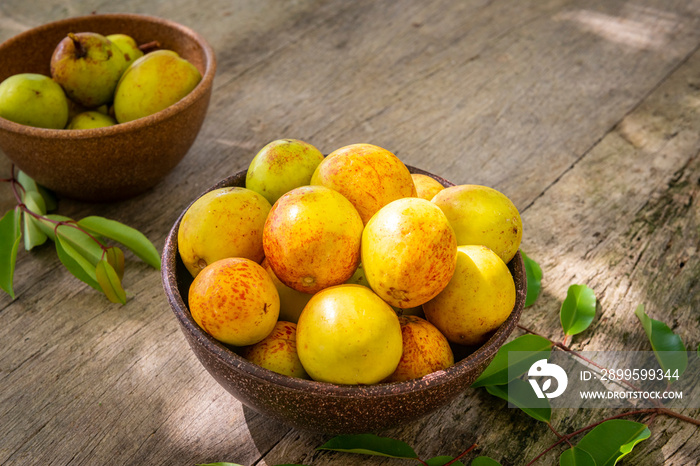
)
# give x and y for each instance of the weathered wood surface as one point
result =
(585, 113)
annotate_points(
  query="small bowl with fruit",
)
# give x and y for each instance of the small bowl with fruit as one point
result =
(347, 293)
(103, 107)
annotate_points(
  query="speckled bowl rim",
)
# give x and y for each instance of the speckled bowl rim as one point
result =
(229, 358)
(151, 120)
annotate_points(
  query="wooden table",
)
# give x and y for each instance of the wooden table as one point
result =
(585, 113)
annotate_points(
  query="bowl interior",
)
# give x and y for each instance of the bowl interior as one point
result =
(470, 362)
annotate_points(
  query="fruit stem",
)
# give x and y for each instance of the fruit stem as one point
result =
(80, 51)
(149, 46)
(23, 207)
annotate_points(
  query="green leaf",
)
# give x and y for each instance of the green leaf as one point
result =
(115, 257)
(520, 393)
(484, 461)
(578, 309)
(109, 282)
(76, 264)
(442, 460)
(33, 236)
(613, 439)
(29, 184)
(34, 202)
(10, 236)
(497, 372)
(576, 457)
(370, 444)
(88, 247)
(49, 199)
(48, 228)
(533, 274)
(129, 237)
(668, 347)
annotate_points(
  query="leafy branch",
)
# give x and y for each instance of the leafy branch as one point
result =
(603, 445)
(80, 245)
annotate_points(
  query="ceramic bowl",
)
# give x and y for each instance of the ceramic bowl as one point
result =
(319, 406)
(116, 162)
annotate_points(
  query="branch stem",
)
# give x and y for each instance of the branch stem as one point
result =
(43, 218)
(657, 410)
(461, 455)
(567, 437)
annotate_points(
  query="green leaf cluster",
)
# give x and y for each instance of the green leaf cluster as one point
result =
(611, 440)
(81, 246)
(501, 377)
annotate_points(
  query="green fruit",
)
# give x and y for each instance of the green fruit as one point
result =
(153, 83)
(34, 100)
(88, 67)
(74, 108)
(128, 45)
(281, 166)
(92, 119)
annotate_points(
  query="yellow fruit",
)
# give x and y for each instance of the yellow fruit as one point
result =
(478, 299)
(426, 186)
(278, 351)
(408, 252)
(226, 222)
(234, 301)
(312, 238)
(482, 215)
(369, 176)
(348, 335)
(425, 350)
(292, 302)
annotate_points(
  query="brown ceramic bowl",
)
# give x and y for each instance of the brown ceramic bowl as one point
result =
(116, 162)
(320, 406)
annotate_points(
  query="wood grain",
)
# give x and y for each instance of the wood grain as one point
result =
(585, 113)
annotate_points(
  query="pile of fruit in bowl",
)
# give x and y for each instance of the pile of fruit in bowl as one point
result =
(102, 107)
(97, 81)
(348, 271)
